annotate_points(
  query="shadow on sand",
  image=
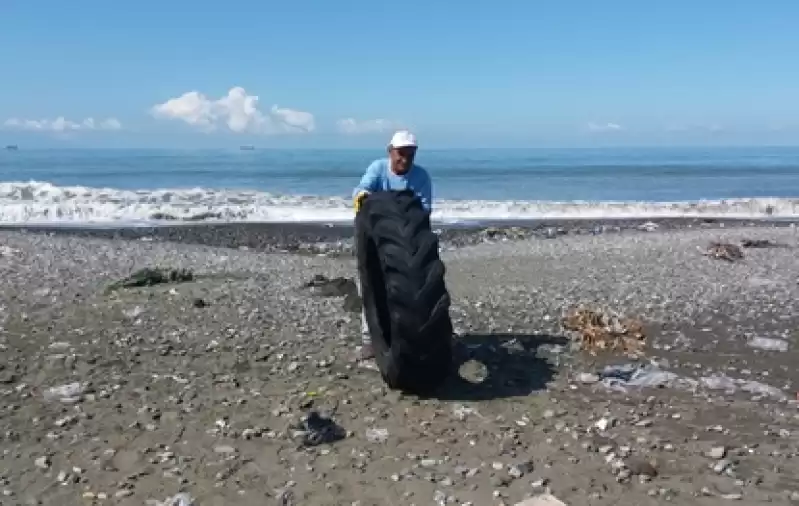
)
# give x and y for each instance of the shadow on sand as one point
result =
(495, 366)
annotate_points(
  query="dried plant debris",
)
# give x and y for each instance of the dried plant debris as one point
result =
(605, 331)
(724, 251)
(153, 276)
(760, 243)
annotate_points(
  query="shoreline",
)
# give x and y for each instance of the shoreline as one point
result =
(336, 238)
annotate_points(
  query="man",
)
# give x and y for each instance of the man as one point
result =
(397, 172)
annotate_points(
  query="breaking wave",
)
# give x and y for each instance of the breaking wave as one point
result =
(44, 203)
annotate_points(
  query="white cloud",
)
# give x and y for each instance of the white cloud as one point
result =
(61, 124)
(604, 127)
(238, 111)
(353, 126)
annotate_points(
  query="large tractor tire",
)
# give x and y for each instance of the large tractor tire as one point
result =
(404, 295)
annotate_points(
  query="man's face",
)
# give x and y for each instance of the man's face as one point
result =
(401, 159)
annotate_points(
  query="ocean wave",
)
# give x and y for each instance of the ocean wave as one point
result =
(36, 202)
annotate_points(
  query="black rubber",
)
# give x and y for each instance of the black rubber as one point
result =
(404, 294)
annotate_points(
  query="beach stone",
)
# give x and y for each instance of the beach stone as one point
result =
(542, 500)
(717, 452)
(42, 462)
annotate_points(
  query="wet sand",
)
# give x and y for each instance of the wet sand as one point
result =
(336, 238)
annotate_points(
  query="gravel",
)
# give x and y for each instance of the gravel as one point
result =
(144, 395)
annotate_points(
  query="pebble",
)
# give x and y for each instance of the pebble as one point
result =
(539, 483)
(518, 470)
(717, 452)
(587, 378)
(542, 500)
(732, 497)
(642, 467)
(42, 462)
(374, 435)
(603, 424)
(722, 465)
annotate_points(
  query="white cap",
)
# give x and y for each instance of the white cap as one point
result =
(403, 139)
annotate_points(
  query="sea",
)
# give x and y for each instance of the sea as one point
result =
(144, 187)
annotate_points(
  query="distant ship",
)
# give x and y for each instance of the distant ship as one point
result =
(246, 148)
(12, 147)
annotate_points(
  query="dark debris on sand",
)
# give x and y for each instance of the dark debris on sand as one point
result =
(153, 276)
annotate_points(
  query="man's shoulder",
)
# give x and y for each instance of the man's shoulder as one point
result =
(379, 164)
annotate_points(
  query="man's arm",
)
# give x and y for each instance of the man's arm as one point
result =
(369, 180)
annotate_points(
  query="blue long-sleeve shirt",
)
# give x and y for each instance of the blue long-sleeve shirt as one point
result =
(379, 177)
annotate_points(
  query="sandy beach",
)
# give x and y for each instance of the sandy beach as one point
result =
(131, 396)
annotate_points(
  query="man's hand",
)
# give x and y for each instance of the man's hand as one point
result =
(358, 200)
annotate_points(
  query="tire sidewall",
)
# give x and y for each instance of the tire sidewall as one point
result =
(363, 235)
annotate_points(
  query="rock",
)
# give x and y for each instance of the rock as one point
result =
(732, 497)
(519, 470)
(500, 481)
(542, 500)
(539, 484)
(642, 468)
(182, 499)
(717, 452)
(587, 378)
(42, 462)
(377, 435)
(722, 465)
(224, 449)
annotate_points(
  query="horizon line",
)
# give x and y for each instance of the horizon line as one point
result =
(250, 148)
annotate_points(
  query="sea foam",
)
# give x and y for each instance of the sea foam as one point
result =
(36, 202)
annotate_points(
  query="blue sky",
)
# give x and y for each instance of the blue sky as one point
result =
(519, 73)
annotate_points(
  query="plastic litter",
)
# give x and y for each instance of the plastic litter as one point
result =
(731, 385)
(68, 393)
(620, 377)
(768, 344)
(320, 430)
